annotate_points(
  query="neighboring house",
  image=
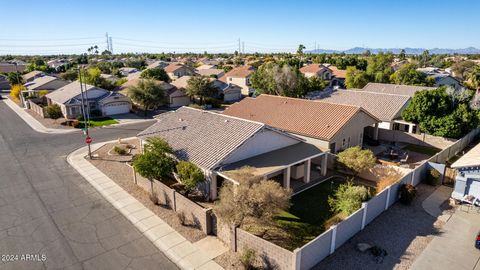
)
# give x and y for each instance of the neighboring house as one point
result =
(176, 97)
(177, 70)
(4, 84)
(330, 126)
(206, 67)
(240, 76)
(46, 82)
(467, 181)
(158, 64)
(218, 143)
(386, 107)
(226, 92)
(397, 89)
(446, 80)
(58, 64)
(318, 70)
(109, 77)
(126, 71)
(32, 75)
(338, 77)
(6, 67)
(107, 102)
(215, 73)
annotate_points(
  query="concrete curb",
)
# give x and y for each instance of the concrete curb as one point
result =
(178, 249)
(33, 123)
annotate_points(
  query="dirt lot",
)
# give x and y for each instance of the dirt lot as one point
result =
(114, 167)
(403, 231)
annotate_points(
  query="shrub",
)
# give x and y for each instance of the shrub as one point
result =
(76, 124)
(16, 90)
(181, 218)
(190, 175)
(248, 258)
(42, 93)
(356, 159)
(348, 198)
(120, 150)
(433, 178)
(95, 113)
(54, 111)
(408, 192)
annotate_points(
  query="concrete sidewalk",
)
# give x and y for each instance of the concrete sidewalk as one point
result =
(33, 123)
(432, 204)
(178, 249)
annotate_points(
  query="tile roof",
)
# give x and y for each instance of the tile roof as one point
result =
(339, 73)
(314, 119)
(398, 89)
(202, 137)
(471, 158)
(69, 91)
(385, 107)
(312, 68)
(240, 72)
(32, 74)
(209, 72)
(39, 82)
(172, 67)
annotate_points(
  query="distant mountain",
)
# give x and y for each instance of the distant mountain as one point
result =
(360, 50)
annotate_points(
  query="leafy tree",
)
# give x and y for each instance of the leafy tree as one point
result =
(138, 64)
(16, 90)
(348, 198)
(147, 93)
(474, 77)
(316, 83)
(254, 202)
(462, 69)
(475, 102)
(425, 103)
(14, 78)
(357, 160)
(356, 78)
(190, 175)
(54, 111)
(402, 55)
(408, 74)
(156, 74)
(379, 67)
(201, 87)
(300, 49)
(70, 75)
(274, 79)
(154, 163)
(158, 145)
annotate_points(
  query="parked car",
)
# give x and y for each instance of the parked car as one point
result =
(477, 241)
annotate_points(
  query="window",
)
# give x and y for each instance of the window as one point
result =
(343, 143)
(332, 147)
(414, 129)
(360, 140)
(348, 144)
(405, 128)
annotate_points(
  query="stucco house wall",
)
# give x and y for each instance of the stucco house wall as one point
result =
(352, 133)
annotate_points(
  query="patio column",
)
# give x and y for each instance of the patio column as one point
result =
(324, 164)
(213, 186)
(375, 132)
(410, 128)
(306, 171)
(286, 177)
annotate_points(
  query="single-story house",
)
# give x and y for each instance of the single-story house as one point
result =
(226, 91)
(330, 126)
(107, 102)
(213, 72)
(32, 75)
(177, 70)
(467, 181)
(386, 107)
(240, 76)
(125, 71)
(109, 77)
(158, 64)
(338, 76)
(6, 67)
(397, 89)
(46, 82)
(206, 67)
(318, 70)
(446, 80)
(229, 143)
(176, 97)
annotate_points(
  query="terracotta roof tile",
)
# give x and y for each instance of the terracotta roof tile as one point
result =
(240, 72)
(312, 68)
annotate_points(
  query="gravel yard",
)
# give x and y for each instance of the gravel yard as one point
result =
(47, 122)
(114, 167)
(403, 231)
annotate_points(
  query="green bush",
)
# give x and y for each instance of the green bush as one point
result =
(408, 193)
(190, 175)
(54, 111)
(348, 198)
(248, 258)
(76, 124)
(95, 113)
(433, 178)
(120, 150)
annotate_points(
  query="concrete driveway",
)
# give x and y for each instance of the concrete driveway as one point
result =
(454, 247)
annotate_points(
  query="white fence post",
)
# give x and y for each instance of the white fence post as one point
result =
(334, 238)
(297, 262)
(413, 178)
(388, 197)
(364, 217)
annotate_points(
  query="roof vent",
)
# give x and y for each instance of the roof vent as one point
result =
(226, 121)
(180, 119)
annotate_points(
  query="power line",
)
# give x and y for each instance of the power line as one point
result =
(180, 48)
(173, 43)
(60, 39)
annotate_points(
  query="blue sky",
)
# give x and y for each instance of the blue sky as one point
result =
(156, 26)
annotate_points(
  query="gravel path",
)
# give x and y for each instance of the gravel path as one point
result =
(403, 231)
(115, 168)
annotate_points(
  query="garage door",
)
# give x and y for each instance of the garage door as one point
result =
(116, 108)
(180, 101)
(474, 188)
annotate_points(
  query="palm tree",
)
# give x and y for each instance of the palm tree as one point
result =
(147, 93)
(201, 87)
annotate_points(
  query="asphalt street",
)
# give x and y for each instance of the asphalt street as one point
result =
(50, 217)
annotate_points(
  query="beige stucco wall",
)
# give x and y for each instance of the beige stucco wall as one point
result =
(242, 83)
(354, 130)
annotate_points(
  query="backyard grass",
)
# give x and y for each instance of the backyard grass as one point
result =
(308, 214)
(430, 151)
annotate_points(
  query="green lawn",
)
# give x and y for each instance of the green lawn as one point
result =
(308, 214)
(430, 151)
(98, 122)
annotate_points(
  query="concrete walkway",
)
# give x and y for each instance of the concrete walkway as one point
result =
(432, 204)
(33, 123)
(178, 249)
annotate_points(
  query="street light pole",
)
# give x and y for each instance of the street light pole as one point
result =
(84, 113)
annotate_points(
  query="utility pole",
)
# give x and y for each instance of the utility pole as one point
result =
(85, 113)
(111, 44)
(243, 47)
(108, 41)
(239, 48)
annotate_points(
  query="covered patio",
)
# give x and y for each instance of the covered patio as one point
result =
(291, 166)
